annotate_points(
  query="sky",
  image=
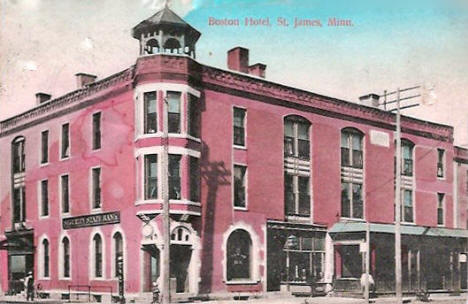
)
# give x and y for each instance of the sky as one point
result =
(391, 44)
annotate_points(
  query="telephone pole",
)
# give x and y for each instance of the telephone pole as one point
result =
(166, 258)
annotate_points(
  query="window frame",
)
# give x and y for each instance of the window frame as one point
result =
(18, 155)
(351, 200)
(44, 151)
(44, 206)
(193, 121)
(21, 204)
(228, 248)
(351, 133)
(64, 260)
(403, 206)
(441, 197)
(195, 178)
(65, 154)
(93, 188)
(115, 254)
(146, 114)
(180, 113)
(295, 179)
(243, 127)
(296, 122)
(410, 145)
(61, 193)
(441, 153)
(177, 179)
(44, 265)
(146, 177)
(96, 131)
(234, 186)
(97, 257)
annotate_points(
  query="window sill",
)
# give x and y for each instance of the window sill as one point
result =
(64, 158)
(65, 279)
(96, 210)
(44, 278)
(96, 150)
(197, 139)
(239, 147)
(352, 219)
(44, 217)
(240, 208)
(43, 164)
(242, 282)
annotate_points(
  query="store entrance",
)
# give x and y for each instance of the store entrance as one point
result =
(180, 260)
(151, 266)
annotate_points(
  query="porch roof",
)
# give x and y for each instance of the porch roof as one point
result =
(347, 227)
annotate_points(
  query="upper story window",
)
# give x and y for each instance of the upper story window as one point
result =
(151, 176)
(407, 158)
(96, 131)
(174, 176)
(44, 147)
(19, 204)
(351, 200)
(150, 113)
(351, 148)
(239, 127)
(18, 156)
(240, 186)
(407, 214)
(44, 198)
(440, 208)
(65, 194)
(194, 116)
(173, 112)
(96, 188)
(65, 145)
(440, 163)
(194, 179)
(296, 137)
(296, 194)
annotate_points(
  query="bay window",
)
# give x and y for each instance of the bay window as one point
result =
(174, 176)
(173, 111)
(194, 179)
(194, 116)
(151, 176)
(150, 113)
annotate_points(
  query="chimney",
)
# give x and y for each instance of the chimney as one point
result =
(238, 59)
(370, 100)
(42, 97)
(257, 69)
(82, 79)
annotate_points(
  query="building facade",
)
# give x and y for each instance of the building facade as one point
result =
(270, 187)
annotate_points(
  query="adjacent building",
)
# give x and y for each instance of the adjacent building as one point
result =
(270, 187)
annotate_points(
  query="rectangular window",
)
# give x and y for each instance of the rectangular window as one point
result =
(303, 145)
(239, 127)
(151, 176)
(296, 195)
(303, 196)
(150, 112)
(65, 148)
(289, 138)
(173, 112)
(44, 147)
(46, 258)
(351, 149)
(96, 131)
(18, 156)
(440, 163)
(96, 186)
(239, 186)
(65, 194)
(19, 205)
(440, 208)
(407, 158)
(44, 198)
(174, 176)
(407, 215)
(194, 117)
(194, 179)
(351, 200)
(306, 259)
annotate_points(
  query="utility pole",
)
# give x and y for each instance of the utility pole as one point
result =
(166, 258)
(398, 288)
(366, 290)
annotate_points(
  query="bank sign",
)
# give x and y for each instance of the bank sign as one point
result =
(91, 220)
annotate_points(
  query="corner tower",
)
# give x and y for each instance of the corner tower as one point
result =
(165, 32)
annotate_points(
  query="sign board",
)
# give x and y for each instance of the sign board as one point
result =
(379, 138)
(462, 258)
(91, 220)
(363, 247)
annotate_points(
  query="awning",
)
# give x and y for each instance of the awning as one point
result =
(348, 227)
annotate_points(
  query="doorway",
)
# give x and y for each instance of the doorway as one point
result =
(180, 261)
(151, 266)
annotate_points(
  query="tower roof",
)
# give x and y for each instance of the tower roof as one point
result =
(165, 18)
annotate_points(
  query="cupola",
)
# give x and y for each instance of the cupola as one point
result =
(165, 32)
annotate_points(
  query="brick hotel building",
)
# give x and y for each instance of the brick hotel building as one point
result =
(251, 164)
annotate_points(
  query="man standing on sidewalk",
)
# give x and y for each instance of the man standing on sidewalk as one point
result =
(29, 286)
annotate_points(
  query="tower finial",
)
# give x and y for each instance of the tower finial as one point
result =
(166, 3)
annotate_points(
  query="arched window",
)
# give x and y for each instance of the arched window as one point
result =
(172, 44)
(351, 148)
(152, 46)
(18, 157)
(45, 258)
(118, 253)
(97, 256)
(238, 253)
(65, 257)
(407, 157)
(296, 137)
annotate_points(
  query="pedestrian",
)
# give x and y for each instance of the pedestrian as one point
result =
(155, 293)
(371, 283)
(29, 286)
